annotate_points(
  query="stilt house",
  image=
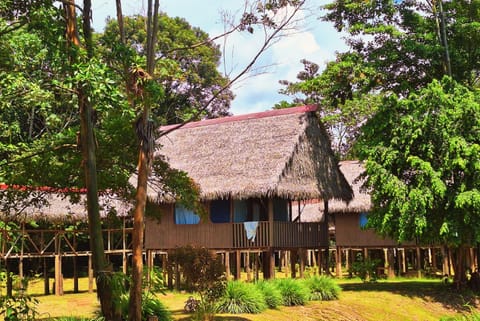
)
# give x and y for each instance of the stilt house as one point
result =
(250, 168)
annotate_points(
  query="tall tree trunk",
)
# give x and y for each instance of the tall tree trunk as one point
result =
(88, 146)
(144, 160)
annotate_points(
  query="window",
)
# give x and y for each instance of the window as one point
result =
(363, 220)
(185, 216)
(280, 210)
(253, 209)
(220, 211)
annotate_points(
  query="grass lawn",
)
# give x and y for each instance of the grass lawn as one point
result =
(402, 299)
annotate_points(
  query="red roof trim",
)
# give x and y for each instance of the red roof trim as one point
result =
(263, 114)
(22, 188)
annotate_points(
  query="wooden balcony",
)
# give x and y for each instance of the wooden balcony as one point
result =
(233, 235)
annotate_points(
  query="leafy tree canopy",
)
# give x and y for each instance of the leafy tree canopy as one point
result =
(186, 67)
(423, 165)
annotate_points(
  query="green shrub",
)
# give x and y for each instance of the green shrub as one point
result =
(293, 292)
(322, 288)
(151, 306)
(366, 269)
(272, 295)
(241, 297)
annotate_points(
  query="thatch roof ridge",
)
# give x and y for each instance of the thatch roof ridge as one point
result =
(257, 115)
(262, 154)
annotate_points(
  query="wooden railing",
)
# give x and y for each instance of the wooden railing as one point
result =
(45, 243)
(281, 235)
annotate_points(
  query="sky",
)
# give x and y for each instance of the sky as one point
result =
(313, 40)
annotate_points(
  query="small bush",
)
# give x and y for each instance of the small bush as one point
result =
(322, 288)
(151, 306)
(366, 269)
(293, 292)
(241, 297)
(272, 295)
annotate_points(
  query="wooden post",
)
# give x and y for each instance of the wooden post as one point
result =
(20, 262)
(293, 263)
(58, 267)
(256, 255)
(177, 277)
(301, 255)
(74, 261)
(247, 266)
(227, 265)
(347, 259)
(434, 259)
(238, 265)
(391, 263)
(164, 268)
(419, 262)
(338, 261)
(124, 249)
(287, 262)
(404, 262)
(445, 265)
(320, 261)
(90, 274)
(46, 282)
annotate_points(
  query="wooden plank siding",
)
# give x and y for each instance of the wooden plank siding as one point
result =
(233, 236)
(299, 235)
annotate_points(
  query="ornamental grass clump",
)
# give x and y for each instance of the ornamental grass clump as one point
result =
(322, 288)
(293, 292)
(241, 297)
(272, 295)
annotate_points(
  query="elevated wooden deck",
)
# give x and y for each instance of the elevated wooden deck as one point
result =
(233, 236)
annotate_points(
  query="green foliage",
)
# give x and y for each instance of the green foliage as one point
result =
(422, 164)
(272, 295)
(151, 306)
(403, 42)
(241, 297)
(365, 269)
(20, 306)
(187, 71)
(322, 288)
(293, 292)
(204, 273)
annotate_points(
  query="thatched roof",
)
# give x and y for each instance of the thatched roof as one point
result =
(44, 204)
(313, 210)
(284, 153)
(361, 201)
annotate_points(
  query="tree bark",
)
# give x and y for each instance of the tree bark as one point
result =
(88, 148)
(144, 161)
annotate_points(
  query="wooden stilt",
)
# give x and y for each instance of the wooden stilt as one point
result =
(419, 262)
(301, 270)
(404, 262)
(75, 267)
(320, 261)
(90, 274)
(293, 263)
(338, 261)
(247, 267)
(46, 282)
(227, 265)
(391, 263)
(238, 265)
